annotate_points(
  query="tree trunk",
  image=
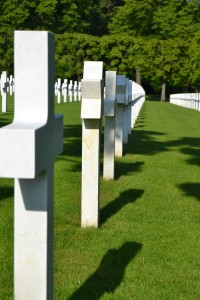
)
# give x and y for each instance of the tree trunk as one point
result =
(163, 92)
(138, 76)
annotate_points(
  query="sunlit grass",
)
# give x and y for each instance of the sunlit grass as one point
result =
(147, 246)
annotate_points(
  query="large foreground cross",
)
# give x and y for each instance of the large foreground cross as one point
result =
(28, 149)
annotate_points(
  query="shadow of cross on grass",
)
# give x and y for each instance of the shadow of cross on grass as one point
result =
(123, 168)
(110, 273)
(191, 189)
(116, 205)
(6, 192)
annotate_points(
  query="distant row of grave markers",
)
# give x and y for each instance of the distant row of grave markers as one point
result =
(187, 100)
(121, 108)
(63, 91)
(38, 138)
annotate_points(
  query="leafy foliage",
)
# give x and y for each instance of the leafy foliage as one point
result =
(72, 49)
(158, 37)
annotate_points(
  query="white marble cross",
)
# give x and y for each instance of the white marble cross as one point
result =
(11, 84)
(4, 90)
(91, 113)
(126, 108)
(138, 96)
(64, 90)
(70, 90)
(28, 149)
(129, 106)
(119, 129)
(59, 91)
(109, 128)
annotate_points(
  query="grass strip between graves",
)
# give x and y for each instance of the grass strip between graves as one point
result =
(147, 246)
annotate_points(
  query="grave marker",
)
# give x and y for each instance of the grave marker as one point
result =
(59, 91)
(11, 83)
(70, 90)
(126, 105)
(28, 149)
(109, 128)
(4, 90)
(91, 112)
(130, 106)
(64, 90)
(120, 96)
(75, 89)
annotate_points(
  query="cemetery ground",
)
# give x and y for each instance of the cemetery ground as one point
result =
(147, 244)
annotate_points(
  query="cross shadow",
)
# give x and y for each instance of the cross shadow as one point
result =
(6, 192)
(194, 155)
(116, 205)
(191, 189)
(5, 121)
(109, 274)
(122, 168)
(145, 142)
(72, 144)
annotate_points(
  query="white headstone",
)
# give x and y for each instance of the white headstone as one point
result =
(126, 108)
(28, 149)
(59, 90)
(70, 90)
(91, 112)
(119, 129)
(130, 106)
(64, 90)
(11, 83)
(4, 87)
(109, 128)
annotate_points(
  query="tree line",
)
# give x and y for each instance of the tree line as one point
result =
(156, 39)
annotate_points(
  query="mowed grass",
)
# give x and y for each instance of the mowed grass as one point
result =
(147, 245)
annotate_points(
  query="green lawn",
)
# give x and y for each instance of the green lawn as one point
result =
(147, 246)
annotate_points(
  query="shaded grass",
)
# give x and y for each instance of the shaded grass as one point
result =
(147, 246)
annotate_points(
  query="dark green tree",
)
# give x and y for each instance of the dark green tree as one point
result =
(72, 49)
(162, 24)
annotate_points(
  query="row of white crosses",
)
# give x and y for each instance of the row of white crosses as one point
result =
(28, 149)
(187, 100)
(63, 91)
(71, 91)
(29, 146)
(123, 102)
(6, 85)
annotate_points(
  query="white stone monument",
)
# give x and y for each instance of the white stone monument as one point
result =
(126, 108)
(59, 91)
(129, 106)
(70, 90)
(4, 89)
(11, 84)
(109, 128)
(138, 96)
(28, 149)
(119, 127)
(64, 90)
(91, 112)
